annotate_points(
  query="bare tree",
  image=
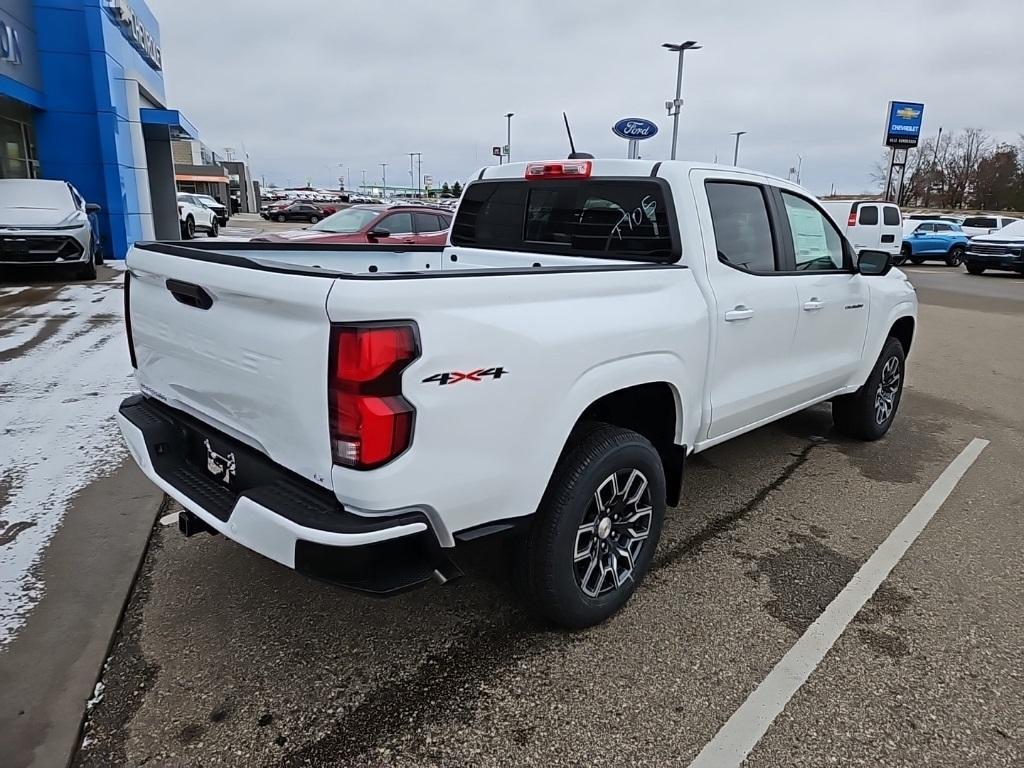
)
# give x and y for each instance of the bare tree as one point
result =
(966, 151)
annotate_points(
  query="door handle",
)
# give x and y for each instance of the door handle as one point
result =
(739, 313)
(813, 305)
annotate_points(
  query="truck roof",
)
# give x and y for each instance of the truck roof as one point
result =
(617, 167)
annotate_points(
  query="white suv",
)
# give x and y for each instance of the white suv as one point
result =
(195, 216)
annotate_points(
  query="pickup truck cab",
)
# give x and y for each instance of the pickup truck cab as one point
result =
(359, 413)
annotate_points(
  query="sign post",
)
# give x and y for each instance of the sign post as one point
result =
(902, 133)
(634, 130)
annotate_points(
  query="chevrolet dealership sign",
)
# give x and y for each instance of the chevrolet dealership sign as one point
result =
(132, 28)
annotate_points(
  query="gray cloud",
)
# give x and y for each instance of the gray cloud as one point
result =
(309, 84)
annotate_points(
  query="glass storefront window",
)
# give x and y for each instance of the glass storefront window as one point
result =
(17, 149)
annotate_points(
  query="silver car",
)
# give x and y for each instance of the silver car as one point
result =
(46, 222)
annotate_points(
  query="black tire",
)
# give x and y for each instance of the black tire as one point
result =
(917, 259)
(868, 414)
(903, 256)
(282, 218)
(548, 575)
(214, 229)
(189, 230)
(314, 219)
(975, 269)
(955, 257)
(88, 270)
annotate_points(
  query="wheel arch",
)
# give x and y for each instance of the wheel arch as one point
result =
(654, 410)
(903, 331)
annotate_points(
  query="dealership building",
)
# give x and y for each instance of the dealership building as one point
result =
(82, 99)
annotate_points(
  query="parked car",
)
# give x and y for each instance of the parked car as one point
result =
(382, 224)
(984, 225)
(296, 211)
(194, 216)
(931, 240)
(869, 224)
(221, 210)
(46, 223)
(933, 217)
(1002, 250)
(546, 375)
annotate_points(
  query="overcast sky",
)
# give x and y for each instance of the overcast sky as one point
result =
(309, 84)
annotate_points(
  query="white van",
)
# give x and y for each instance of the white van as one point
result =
(868, 224)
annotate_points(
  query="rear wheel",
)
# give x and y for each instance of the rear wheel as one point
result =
(595, 532)
(314, 219)
(869, 412)
(975, 269)
(955, 257)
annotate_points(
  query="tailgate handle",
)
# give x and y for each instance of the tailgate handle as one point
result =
(189, 294)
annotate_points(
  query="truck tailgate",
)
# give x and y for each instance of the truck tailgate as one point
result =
(243, 350)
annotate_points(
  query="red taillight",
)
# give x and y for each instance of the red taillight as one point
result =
(371, 423)
(852, 221)
(559, 169)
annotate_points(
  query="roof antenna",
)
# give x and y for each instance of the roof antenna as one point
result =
(573, 154)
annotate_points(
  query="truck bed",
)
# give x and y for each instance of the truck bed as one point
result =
(376, 261)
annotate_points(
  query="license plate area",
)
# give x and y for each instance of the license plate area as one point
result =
(214, 458)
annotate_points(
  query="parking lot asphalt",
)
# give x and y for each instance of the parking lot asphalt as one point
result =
(224, 657)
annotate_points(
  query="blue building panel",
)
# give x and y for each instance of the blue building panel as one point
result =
(99, 83)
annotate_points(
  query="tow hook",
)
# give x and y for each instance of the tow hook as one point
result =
(190, 525)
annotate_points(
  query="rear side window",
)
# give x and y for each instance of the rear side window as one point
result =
(868, 215)
(984, 222)
(891, 216)
(610, 218)
(426, 222)
(743, 234)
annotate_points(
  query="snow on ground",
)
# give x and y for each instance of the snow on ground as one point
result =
(64, 368)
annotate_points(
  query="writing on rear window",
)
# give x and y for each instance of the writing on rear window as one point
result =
(611, 218)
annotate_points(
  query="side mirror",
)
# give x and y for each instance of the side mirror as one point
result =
(874, 262)
(93, 208)
(377, 233)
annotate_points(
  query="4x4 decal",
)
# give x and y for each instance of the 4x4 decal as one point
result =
(454, 377)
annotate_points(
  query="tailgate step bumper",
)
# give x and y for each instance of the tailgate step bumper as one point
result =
(274, 512)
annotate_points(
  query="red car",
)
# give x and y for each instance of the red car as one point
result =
(398, 225)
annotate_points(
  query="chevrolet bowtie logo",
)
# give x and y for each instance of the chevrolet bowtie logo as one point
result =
(908, 113)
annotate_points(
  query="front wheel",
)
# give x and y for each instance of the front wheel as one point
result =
(869, 412)
(975, 269)
(188, 231)
(214, 229)
(88, 270)
(955, 257)
(595, 532)
(282, 218)
(901, 259)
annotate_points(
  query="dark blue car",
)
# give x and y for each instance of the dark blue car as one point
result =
(924, 240)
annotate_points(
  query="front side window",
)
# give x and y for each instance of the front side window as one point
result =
(348, 221)
(398, 224)
(817, 245)
(926, 228)
(868, 215)
(743, 234)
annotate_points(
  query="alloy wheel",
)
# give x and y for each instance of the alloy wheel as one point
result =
(888, 388)
(614, 528)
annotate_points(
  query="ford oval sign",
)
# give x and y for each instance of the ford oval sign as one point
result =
(635, 128)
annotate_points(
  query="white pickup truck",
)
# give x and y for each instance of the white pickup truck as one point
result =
(357, 413)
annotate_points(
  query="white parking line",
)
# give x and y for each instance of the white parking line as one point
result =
(748, 724)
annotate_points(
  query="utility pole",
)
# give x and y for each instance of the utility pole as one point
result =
(384, 177)
(508, 141)
(419, 173)
(412, 170)
(799, 167)
(363, 188)
(675, 106)
(736, 151)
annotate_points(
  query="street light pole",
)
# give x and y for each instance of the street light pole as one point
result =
(412, 170)
(675, 106)
(508, 141)
(419, 173)
(364, 182)
(736, 151)
(384, 178)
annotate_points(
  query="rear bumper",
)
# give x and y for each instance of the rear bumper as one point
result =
(277, 514)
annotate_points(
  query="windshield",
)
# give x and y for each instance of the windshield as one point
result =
(47, 195)
(346, 222)
(207, 200)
